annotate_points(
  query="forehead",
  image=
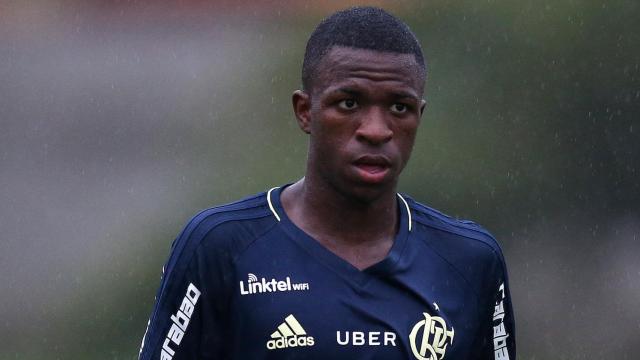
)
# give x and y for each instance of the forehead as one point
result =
(368, 67)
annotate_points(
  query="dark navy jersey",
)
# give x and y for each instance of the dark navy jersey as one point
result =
(244, 282)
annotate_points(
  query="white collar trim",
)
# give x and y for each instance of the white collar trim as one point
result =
(273, 210)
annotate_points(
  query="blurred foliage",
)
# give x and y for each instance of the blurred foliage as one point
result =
(532, 117)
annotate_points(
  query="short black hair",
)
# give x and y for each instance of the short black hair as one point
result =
(363, 28)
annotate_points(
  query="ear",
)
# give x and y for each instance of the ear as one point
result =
(302, 109)
(423, 105)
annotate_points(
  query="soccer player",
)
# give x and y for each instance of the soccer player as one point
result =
(338, 265)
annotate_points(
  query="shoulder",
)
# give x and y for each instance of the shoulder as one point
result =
(468, 231)
(466, 246)
(224, 230)
(223, 219)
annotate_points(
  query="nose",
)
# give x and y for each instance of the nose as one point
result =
(374, 127)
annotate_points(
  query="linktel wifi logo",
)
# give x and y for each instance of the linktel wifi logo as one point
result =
(263, 285)
(289, 334)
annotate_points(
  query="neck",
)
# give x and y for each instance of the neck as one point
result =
(331, 215)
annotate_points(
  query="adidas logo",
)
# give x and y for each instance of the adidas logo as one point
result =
(289, 334)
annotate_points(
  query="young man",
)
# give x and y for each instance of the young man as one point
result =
(338, 265)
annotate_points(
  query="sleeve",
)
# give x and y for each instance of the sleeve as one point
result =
(500, 337)
(187, 319)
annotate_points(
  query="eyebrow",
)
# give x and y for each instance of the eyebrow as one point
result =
(405, 94)
(347, 90)
(396, 94)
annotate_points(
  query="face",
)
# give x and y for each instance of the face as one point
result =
(362, 114)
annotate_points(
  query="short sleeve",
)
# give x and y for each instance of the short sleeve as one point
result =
(498, 337)
(187, 318)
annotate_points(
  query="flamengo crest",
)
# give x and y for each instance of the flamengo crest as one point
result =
(429, 338)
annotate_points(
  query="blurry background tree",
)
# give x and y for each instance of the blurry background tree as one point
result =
(119, 120)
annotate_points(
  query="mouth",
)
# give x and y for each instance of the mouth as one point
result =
(372, 168)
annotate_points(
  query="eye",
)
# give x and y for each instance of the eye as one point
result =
(348, 104)
(399, 108)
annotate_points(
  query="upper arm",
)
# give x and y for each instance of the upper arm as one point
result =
(503, 324)
(499, 333)
(187, 317)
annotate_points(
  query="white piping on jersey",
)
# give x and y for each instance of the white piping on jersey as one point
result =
(273, 210)
(408, 210)
(271, 204)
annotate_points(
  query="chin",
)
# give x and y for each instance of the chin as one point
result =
(357, 189)
(367, 193)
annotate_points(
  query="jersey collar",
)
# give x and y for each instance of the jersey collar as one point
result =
(390, 264)
(274, 197)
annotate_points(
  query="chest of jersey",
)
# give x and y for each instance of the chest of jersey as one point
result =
(290, 302)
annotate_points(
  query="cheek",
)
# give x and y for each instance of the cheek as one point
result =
(324, 144)
(405, 137)
(331, 131)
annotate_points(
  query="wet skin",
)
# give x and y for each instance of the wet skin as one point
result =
(361, 112)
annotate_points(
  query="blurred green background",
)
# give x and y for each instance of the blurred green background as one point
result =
(119, 120)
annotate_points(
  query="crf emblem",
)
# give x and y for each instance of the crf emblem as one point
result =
(429, 338)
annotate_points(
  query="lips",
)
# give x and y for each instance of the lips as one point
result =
(372, 168)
